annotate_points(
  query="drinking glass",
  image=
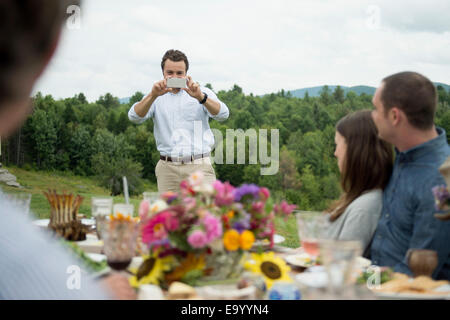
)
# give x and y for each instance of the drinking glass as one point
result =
(339, 260)
(151, 197)
(101, 209)
(20, 200)
(124, 209)
(120, 239)
(311, 226)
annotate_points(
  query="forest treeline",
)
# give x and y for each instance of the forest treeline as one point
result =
(97, 139)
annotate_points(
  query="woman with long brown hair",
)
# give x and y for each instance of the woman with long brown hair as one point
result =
(365, 163)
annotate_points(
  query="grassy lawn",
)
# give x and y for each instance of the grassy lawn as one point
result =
(288, 230)
(36, 182)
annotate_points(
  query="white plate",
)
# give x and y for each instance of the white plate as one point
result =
(44, 222)
(302, 260)
(445, 295)
(317, 279)
(362, 263)
(277, 239)
(97, 257)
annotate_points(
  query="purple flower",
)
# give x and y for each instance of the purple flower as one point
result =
(442, 197)
(243, 224)
(246, 189)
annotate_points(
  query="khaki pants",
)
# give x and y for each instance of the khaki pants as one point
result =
(170, 174)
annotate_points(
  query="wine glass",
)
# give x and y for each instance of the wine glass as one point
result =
(124, 209)
(151, 197)
(339, 260)
(311, 226)
(101, 209)
(120, 240)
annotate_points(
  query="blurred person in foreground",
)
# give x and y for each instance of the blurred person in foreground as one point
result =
(404, 109)
(32, 265)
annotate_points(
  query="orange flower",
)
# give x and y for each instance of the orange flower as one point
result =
(231, 240)
(246, 240)
(230, 214)
(120, 217)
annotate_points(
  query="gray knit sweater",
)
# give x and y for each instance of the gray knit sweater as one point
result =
(359, 220)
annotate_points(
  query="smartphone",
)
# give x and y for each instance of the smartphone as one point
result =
(176, 83)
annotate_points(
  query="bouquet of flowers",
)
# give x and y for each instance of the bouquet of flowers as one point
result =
(204, 231)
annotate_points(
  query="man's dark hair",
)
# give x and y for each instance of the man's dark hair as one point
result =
(174, 55)
(412, 93)
(28, 30)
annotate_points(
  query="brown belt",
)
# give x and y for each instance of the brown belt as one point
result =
(184, 159)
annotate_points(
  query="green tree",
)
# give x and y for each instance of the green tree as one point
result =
(325, 97)
(109, 101)
(45, 139)
(136, 98)
(338, 94)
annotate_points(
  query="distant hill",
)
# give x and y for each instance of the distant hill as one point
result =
(315, 91)
(124, 100)
(446, 86)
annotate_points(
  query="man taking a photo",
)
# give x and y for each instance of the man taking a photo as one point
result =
(181, 128)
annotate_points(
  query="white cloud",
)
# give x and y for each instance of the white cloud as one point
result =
(263, 46)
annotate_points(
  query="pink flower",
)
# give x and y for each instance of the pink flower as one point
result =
(171, 222)
(154, 230)
(196, 178)
(158, 227)
(258, 207)
(143, 209)
(186, 188)
(284, 208)
(264, 192)
(189, 203)
(224, 193)
(197, 239)
(213, 227)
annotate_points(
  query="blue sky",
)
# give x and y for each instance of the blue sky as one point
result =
(263, 46)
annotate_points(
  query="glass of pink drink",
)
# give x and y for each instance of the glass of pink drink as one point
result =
(311, 227)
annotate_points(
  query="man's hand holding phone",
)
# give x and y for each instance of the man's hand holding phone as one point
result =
(193, 89)
(160, 88)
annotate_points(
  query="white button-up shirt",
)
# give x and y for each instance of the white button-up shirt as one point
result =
(181, 123)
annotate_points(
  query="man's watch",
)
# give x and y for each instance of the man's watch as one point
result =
(204, 99)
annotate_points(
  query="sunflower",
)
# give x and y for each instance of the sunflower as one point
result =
(191, 263)
(151, 270)
(270, 267)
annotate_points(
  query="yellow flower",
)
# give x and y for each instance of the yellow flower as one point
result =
(231, 240)
(230, 214)
(246, 240)
(272, 268)
(151, 270)
(191, 262)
